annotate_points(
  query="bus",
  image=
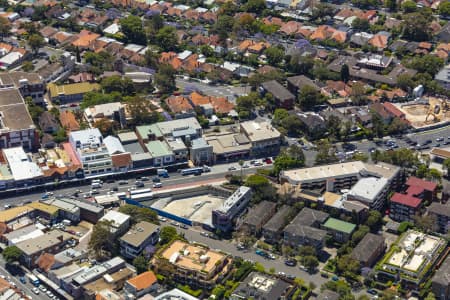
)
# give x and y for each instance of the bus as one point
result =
(190, 171)
(140, 191)
(33, 279)
(142, 197)
(121, 195)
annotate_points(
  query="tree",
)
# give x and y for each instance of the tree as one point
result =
(358, 93)
(409, 6)
(133, 30)
(345, 73)
(106, 126)
(428, 63)
(165, 78)
(361, 24)
(77, 54)
(11, 254)
(141, 264)
(141, 111)
(262, 189)
(139, 214)
(347, 266)
(446, 165)
(324, 152)
(426, 223)
(167, 234)
(291, 158)
(101, 239)
(444, 8)
(310, 262)
(255, 6)
(300, 64)
(27, 66)
(359, 234)
(308, 97)
(322, 10)
(416, 26)
(36, 41)
(5, 27)
(151, 58)
(274, 55)
(116, 83)
(167, 38)
(405, 82)
(374, 220)
(391, 5)
(223, 26)
(430, 296)
(307, 251)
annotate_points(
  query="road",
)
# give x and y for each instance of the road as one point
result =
(24, 288)
(175, 179)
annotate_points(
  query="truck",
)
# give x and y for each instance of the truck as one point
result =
(162, 173)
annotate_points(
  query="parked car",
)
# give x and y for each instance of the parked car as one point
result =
(232, 168)
(290, 262)
(157, 185)
(144, 178)
(35, 290)
(123, 182)
(139, 184)
(156, 179)
(372, 292)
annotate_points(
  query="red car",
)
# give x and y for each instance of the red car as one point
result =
(268, 160)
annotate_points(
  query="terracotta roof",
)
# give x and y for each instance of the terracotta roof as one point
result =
(67, 119)
(391, 108)
(273, 21)
(379, 41)
(143, 281)
(85, 38)
(339, 36)
(290, 27)
(368, 15)
(258, 47)
(199, 99)
(305, 31)
(62, 36)
(176, 63)
(323, 32)
(440, 152)
(48, 31)
(121, 160)
(191, 63)
(221, 105)
(7, 47)
(178, 104)
(199, 40)
(166, 57)
(245, 44)
(46, 261)
(444, 47)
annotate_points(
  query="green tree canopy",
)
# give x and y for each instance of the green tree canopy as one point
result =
(11, 254)
(139, 214)
(142, 111)
(133, 30)
(345, 73)
(141, 264)
(167, 234)
(416, 26)
(409, 6)
(255, 6)
(101, 239)
(165, 78)
(428, 63)
(117, 84)
(167, 38)
(96, 98)
(308, 97)
(5, 28)
(36, 41)
(274, 55)
(290, 158)
(444, 8)
(361, 24)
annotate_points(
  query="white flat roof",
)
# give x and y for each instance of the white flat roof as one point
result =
(368, 188)
(116, 217)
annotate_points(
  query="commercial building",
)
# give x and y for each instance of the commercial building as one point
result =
(257, 216)
(50, 242)
(133, 243)
(66, 210)
(224, 217)
(336, 177)
(440, 283)
(201, 152)
(89, 211)
(442, 214)
(259, 286)
(370, 191)
(187, 129)
(411, 260)
(369, 249)
(120, 158)
(119, 222)
(160, 153)
(273, 229)
(14, 215)
(140, 285)
(23, 169)
(194, 264)
(28, 84)
(91, 151)
(229, 146)
(340, 230)
(264, 138)
(16, 126)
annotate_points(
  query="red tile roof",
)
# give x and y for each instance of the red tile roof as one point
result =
(425, 184)
(406, 200)
(391, 108)
(179, 104)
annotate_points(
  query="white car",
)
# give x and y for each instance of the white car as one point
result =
(36, 291)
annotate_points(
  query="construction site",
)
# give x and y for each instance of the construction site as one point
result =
(426, 112)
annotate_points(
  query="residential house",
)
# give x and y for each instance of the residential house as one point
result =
(273, 229)
(17, 127)
(140, 285)
(224, 217)
(442, 214)
(341, 231)
(380, 41)
(68, 121)
(282, 96)
(259, 286)
(313, 124)
(84, 39)
(91, 151)
(180, 107)
(369, 250)
(258, 216)
(114, 111)
(48, 123)
(70, 92)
